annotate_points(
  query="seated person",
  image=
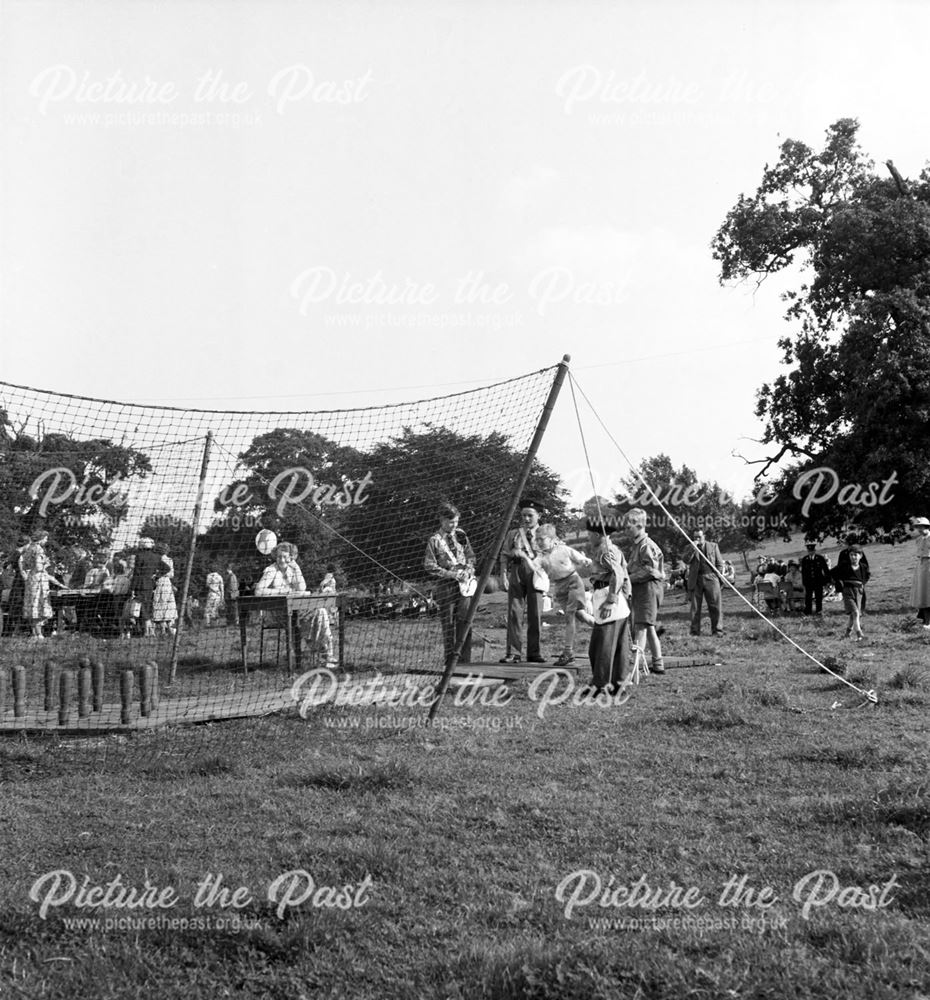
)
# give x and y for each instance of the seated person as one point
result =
(791, 587)
(773, 580)
(283, 576)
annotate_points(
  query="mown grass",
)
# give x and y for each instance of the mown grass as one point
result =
(762, 767)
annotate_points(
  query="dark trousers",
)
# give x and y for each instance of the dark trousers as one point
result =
(521, 597)
(813, 597)
(705, 587)
(611, 653)
(453, 609)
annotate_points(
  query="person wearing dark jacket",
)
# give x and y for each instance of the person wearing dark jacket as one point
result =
(851, 576)
(815, 575)
(842, 558)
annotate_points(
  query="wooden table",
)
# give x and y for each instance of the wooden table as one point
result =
(85, 602)
(291, 606)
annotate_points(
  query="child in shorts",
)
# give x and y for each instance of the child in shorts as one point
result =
(561, 562)
(851, 578)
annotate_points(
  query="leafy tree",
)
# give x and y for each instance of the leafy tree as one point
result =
(692, 502)
(72, 488)
(411, 475)
(855, 399)
(292, 481)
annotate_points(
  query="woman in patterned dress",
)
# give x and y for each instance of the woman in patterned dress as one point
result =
(34, 564)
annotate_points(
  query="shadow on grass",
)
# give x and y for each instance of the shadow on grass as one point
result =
(849, 758)
(353, 778)
(714, 717)
(174, 769)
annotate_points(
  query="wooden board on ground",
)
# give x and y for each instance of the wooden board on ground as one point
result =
(502, 671)
(170, 712)
(690, 661)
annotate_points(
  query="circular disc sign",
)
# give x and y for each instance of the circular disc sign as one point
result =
(265, 541)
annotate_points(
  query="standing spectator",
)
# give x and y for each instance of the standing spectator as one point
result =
(610, 650)
(517, 554)
(232, 595)
(77, 580)
(147, 569)
(328, 583)
(119, 618)
(17, 588)
(920, 589)
(815, 575)
(164, 606)
(647, 578)
(842, 559)
(729, 573)
(450, 560)
(34, 566)
(704, 567)
(851, 577)
(215, 596)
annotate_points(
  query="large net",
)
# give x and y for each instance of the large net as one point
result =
(165, 566)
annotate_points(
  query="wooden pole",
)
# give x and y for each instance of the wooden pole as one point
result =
(145, 699)
(125, 694)
(98, 685)
(185, 586)
(489, 558)
(66, 695)
(19, 691)
(84, 689)
(50, 666)
(154, 694)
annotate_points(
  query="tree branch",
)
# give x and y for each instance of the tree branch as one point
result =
(900, 182)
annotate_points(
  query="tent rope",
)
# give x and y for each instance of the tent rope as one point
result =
(869, 695)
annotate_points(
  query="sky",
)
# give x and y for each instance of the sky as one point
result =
(286, 206)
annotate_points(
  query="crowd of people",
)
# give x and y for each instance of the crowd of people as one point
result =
(625, 594)
(619, 597)
(126, 595)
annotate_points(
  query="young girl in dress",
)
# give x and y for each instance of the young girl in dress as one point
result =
(164, 607)
(215, 597)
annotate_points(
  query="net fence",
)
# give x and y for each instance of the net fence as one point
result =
(165, 566)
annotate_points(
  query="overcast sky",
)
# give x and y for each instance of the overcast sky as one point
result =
(280, 206)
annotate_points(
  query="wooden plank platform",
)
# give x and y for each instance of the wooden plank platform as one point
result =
(502, 671)
(170, 712)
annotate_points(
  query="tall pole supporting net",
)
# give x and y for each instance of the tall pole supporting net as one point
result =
(138, 546)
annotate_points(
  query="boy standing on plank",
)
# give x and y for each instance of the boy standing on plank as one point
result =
(647, 578)
(561, 563)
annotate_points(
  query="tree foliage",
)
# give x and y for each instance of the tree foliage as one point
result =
(855, 398)
(416, 472)
(72, 488)
(694, 503)
(292, 478)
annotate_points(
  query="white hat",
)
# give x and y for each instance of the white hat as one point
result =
(146, 543)
(920, 522)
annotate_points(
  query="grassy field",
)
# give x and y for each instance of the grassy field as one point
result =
(457, 850)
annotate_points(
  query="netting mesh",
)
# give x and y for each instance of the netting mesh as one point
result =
(158, 598)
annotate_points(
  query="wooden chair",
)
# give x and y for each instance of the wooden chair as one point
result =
(767, 596)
